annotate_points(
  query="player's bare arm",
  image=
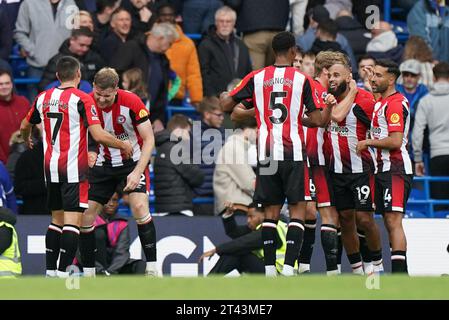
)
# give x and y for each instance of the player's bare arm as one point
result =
(341, 110)
(227, 102)
(146, 132)
(392, 142)
(331, 102)
(105, 138)
(25, 131)
(313, 119)
(241, 113)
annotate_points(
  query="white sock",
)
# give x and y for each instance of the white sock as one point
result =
(303, 267)
(151, 265)
(270, 271)
(378, 266)
(339, 268)
(62, 274)
(50, 273)
(332, 272)
(89, 272)
(288, 271)
(357, 268)
(368, 267)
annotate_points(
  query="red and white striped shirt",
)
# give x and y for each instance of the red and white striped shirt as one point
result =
(347, 133)
(66, 114)
(279, 95)
(317, 138)
(121, 120)
(392, 114)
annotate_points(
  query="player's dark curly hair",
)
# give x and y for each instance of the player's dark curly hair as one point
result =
(283, 41)
(392, 67)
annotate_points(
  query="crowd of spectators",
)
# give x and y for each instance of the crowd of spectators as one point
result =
(150, 44)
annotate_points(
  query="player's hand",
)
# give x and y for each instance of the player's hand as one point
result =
(132, 181)
(330, 100)
(158, 126)
(419, 169)
(127, 149)
(145, 14)
(29, 142)
(353, 85)
(208, 254)
(369, 70)
(91, 158)
(361, 146)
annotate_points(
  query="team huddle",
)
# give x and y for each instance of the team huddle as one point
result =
(332, 143)
(323, 144)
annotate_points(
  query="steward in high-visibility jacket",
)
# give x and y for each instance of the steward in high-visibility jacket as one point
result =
(245, 251)
(10, 265)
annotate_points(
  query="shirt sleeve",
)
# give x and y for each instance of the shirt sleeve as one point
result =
(139, 111)
(33, 115)
(362, 116)
(396, 116)
(88, 111)
(245, 89)
(310, 99)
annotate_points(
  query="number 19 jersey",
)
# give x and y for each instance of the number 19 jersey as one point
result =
(279, 95)
(65, 114)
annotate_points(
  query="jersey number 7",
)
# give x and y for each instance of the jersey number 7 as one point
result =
(59, 117)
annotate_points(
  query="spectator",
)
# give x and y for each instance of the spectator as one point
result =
(417, 48)
(259, 25)
(132, 80)
(10, 265)
(13, 108)
(17, 146)
(175, 179)
(29, 179)
(365, 62)
(77, 46)
(223, 56)
(183, 59)
(353, 31)
(85, 20)
(432, 112)
(335, 6)
(326, 38)
(429, 19)
(143, 15)
(12, 9)
(411, 88)
(118, 35)
(359, 8)
(234, 179)
(245, 251)
(210, 139)
(297, 63)
(147, 54)
(384, 43)
(86, 5)
(318, 15)
(113, 242)
(198, 15)
(308, 64)
(41, 28)
(5, 35)
(7, 196)
(5, 66)
(298, 10)
(102, 17)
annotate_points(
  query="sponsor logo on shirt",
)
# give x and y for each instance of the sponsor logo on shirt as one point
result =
(341, 131)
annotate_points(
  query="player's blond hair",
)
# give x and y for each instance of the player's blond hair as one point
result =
(106, 78)
(326, 59)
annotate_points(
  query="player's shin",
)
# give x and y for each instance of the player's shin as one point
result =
(305, 254)
(87, 250)
(52, 247)
(294, 239)
(269, 238)
(147, 236)
(329, 241)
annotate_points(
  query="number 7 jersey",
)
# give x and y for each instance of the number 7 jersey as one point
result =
(279, 95)
(65, 114)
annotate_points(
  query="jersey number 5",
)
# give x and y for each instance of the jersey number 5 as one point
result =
(58, 116)
(278, 106)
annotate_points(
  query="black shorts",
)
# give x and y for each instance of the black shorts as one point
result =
(290, 180)
(68, 196)
(392, 191)
(104, 181)
(353, 191)
(321, 187)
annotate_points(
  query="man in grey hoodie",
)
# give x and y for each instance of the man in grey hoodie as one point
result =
(432, 112)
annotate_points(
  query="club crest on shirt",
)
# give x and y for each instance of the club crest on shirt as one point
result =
(143, 113)
(394, 118)
(121, 119)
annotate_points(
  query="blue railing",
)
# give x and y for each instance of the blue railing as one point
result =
(426, 201)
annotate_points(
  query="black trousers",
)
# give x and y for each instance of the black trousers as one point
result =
(439, 166)
(243, 263)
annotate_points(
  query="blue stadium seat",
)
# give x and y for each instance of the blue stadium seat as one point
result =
(414, 215)
(441, 214)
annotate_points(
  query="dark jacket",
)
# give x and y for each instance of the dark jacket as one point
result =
(244, 240)
(29, 181)
(173, 183)
(319, 46)
(6, 35)
(394, 54)
(207, 188)
(91, 62)
(138, 27)
(110, 45)
(112, 242)
(135, 54)
(354, 32)
(218, 68)
(260, 15)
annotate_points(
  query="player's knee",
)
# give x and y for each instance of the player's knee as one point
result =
(139, 208)
(365, 223)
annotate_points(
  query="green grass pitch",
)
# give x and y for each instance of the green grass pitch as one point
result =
(219, 288)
